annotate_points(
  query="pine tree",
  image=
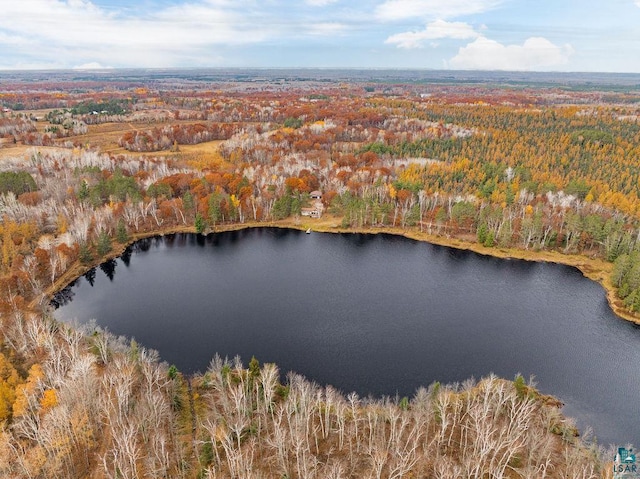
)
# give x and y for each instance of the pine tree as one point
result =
(104, 243)
(84, 254)
(121, 232)
(200, 224)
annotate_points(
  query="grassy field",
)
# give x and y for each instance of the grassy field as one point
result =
(104, 137)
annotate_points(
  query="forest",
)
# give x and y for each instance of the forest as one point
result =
(87, 167)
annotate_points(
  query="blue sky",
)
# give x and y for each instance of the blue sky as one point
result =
(523, 35)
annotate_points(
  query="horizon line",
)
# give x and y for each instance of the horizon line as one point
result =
(340, 68)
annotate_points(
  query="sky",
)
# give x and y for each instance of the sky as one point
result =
(520, 35)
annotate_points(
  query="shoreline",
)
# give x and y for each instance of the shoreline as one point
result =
(595, 269)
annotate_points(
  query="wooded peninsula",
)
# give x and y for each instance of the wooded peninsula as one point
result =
(89, 163)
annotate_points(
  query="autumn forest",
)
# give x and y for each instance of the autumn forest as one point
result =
(90, 163)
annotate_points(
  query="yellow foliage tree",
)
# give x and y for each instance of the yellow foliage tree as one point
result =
(9, 380)
(8, 248)
(48, 400)
(63, 224)
(393, 193)
(27, 390)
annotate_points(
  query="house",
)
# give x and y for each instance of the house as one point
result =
(316, 208)
(313, 212)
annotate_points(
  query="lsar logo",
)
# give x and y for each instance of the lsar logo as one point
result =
(624, 464)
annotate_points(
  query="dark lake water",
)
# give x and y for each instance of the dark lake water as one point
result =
(374, 314)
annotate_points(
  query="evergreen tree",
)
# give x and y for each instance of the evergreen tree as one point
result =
(104, 243)
(254, 367)
(490, 240)
(83, 191)
(84, 254)
(281, 207)
(200, 224)
(215, 213)
(482, 233)
(121, 232)
(187, 201)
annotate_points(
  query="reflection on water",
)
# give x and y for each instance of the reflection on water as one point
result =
(90, 275)
(109, 268)
(377, 314)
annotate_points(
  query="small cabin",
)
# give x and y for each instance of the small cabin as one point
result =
(316, 195)
(312, 212)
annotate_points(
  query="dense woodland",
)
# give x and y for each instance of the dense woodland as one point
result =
(508, 167)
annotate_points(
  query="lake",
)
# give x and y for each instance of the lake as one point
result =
(375, 314)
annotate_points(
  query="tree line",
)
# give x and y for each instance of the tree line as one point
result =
(79, 403)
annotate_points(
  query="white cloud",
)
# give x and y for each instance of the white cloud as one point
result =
(68, 23)
(433, 31)
(638, 3)
(80, 32)
(327, 29)
(392, 10)
(13, 39)
(162, 33)
(534, 54)
(91, 66)
(322, 3)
